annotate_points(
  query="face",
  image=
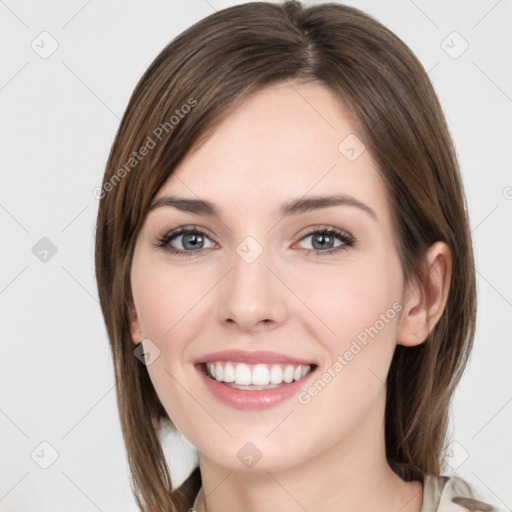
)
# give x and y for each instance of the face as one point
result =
(298, 302)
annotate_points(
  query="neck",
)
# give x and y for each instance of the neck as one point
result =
(353, 475)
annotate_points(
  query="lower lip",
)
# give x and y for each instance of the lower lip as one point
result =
(255, 399)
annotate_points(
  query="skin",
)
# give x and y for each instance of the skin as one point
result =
(329, 454)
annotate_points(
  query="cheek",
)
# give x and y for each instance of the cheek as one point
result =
(355, 302)
(359, 313)
(166, 298)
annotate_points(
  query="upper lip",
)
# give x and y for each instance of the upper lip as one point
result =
(252, 357)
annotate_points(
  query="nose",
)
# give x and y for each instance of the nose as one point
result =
(251, 297)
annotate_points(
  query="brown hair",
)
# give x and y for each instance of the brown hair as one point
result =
(212, 67)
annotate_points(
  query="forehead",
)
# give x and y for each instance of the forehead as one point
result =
(285, 141)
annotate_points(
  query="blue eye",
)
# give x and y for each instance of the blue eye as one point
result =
(323, 240)
(193, 239)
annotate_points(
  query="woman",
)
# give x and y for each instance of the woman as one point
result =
(283, 235)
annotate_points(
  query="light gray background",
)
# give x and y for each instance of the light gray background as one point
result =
(58, 119)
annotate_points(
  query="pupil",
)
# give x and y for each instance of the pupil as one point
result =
(193, 240)
(322, 244)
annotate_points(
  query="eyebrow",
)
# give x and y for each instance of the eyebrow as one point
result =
(294, 207)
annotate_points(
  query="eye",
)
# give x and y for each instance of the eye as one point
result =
(323, 241)
(184, 241)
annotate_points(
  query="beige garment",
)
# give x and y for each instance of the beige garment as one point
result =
(451, 494)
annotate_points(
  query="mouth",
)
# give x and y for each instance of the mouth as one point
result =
(255, 377)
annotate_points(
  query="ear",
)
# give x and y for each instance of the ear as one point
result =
(135, 326)
(424, 302)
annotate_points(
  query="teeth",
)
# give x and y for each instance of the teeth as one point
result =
(288, 374)
(260, 375)
(229, 373)
(276, 375)
(219, 372)
(241, 374)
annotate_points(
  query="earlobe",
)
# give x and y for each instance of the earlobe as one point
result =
(424, 303)
(135, 327)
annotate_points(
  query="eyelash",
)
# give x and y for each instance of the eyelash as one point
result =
(347, 239)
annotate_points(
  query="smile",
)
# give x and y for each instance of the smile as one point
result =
(255, 376)
(254, 379)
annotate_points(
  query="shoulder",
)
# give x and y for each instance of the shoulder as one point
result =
(452, 494)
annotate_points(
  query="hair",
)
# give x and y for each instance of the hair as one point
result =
(197, 81)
